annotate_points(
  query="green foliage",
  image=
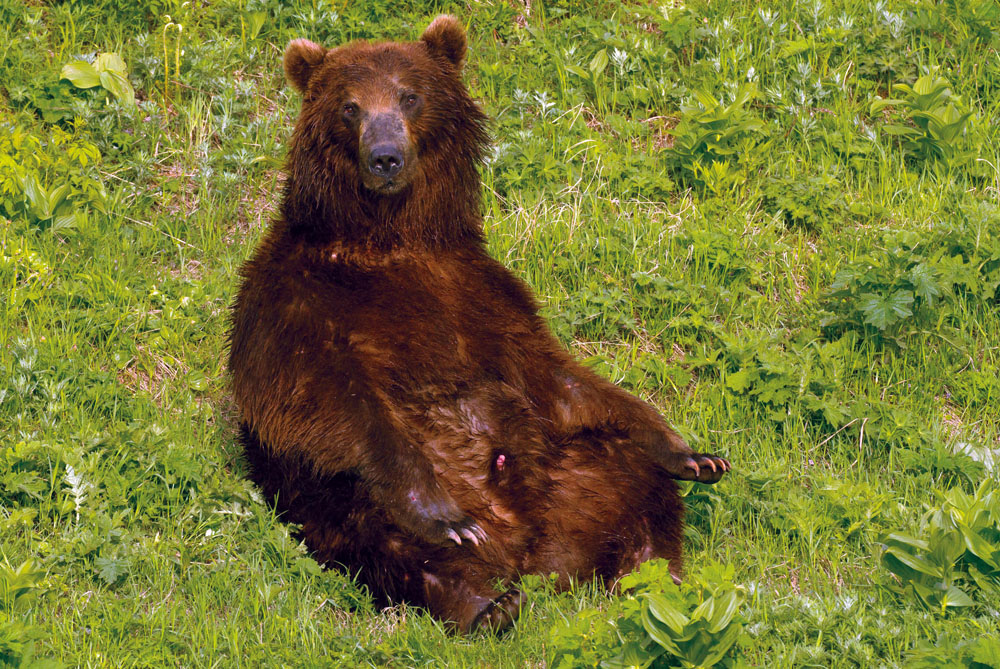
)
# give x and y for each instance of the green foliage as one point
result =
(714, 141)
(964, 21)
(107, 71)
(657, 623)
(809, 201)
(914, 279)
(19, 587)
(947, 652)
(936, 120)
(49, 182)
(702, 639)
(958, 555)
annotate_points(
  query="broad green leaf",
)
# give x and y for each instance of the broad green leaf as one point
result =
(110, 569)
(599, 62)
(746, 92)
(634, 655)
(882, 311)
(978, 546)
(738, 381)
(927, 595)
(81, 73)
(58, 196)
(727, 607)
(706, 100)
(38, 198)
(879, 105)
(663, 611)
(843, 280)
(118, 86)
(915, 562)
(657, 633)
(197, 380)
(696, 645)
(795, 47)
(704, 610)
(111, 62)
(953, 597)
(946, 546)
(987, 582)
(721, 645)
(987, 652)
(64, 215)
(927, 85)
(924, 280)
(65, 221)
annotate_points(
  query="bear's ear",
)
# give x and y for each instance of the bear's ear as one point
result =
(301, 59)
(445, 37)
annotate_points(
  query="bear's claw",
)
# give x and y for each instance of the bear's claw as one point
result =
(700, 467)
(473, 533)
(432, 515)
(500, 613)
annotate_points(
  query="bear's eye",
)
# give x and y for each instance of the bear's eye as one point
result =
(410, 100)
(350, 111)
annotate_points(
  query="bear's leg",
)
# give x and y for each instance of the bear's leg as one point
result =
(470, 606)
(574, 399)
(610, 509)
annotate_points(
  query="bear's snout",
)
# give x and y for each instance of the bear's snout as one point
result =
(386, 161)
(385, 152)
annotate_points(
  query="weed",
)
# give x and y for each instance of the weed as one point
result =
(937, 120)
(958, 554)
(713, 138)
(107, 71)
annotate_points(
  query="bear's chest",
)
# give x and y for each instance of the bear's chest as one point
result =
(427, 320)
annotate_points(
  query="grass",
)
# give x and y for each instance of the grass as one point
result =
(710, 208)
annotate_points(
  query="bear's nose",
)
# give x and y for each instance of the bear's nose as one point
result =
(386, 161)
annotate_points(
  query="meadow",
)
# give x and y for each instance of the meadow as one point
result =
(779, 222)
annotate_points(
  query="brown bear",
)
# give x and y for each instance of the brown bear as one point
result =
(400, 396)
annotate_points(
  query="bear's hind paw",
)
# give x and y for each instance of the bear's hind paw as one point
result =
(700, 467)
(500, 613)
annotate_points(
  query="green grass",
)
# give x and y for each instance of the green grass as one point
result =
(802, 282)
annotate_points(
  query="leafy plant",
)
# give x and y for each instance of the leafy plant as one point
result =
(809, 201)
(933, 120)
(915, 277)
(947, 652)
(19, 587)
(957, 553)
(107, 71)
(695, 624)
(713, 138)
(54, 101)
(50, 182)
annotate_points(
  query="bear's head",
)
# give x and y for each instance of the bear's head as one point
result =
(386, 127)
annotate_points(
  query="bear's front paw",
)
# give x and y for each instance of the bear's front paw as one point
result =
(700, 467)
(437, 519)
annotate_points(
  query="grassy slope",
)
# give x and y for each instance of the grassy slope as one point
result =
(708, 293)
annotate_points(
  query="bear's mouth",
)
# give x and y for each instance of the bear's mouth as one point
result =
(387, 186)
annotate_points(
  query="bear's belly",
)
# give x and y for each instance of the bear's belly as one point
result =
(489, 450)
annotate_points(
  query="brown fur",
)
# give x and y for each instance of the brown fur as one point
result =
(398, 391)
